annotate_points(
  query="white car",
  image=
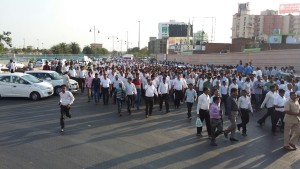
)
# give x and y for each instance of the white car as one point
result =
(24, 85)
(18, 65)
(40, 63)
(55, 79)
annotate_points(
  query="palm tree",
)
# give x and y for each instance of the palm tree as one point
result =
(75, 49)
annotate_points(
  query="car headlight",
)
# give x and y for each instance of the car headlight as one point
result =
(42, 87)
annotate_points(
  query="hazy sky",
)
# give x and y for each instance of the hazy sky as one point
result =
(55, 21)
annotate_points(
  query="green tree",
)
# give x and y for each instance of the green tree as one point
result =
(87, 50)
(5, 37)
(101, 51)
(61, 48)
(75, 49)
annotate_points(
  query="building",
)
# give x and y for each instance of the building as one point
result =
(163, 28)
(261, 27)
(96, 45)
(157, 46)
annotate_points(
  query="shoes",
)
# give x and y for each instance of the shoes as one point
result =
(147, 116)
(233, 139)
(289, 148)
(273, 134)
(120, 114)
(150, 114)
(209, 136)
(199, 134)
(260, 123)
(213, 143)
(190, 118)
(61, 130)
(239, 127)
(168, 111)
(225, 134)
(244, 134)
(293, 146)
(159, 109)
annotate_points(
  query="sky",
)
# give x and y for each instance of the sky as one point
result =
(45, 23)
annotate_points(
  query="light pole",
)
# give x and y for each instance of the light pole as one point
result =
(121, 44)
(94, 29)
(24, 43)
(139, 33)
(113, 39)
(38, 44)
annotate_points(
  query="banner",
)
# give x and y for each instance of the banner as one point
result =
(289, 8)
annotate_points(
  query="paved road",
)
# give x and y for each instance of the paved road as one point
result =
(95, 137)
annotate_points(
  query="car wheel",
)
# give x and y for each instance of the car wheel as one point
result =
(35, 96)
(57, 90)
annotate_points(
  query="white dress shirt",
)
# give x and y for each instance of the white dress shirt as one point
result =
(200, 84)
(177, 84)
(279, 101)
(203, 102)
(247, 87)
(224, 90)
(163, 88)
(117, 82)
(269, 100)
(66, 98)
(105, 82)
(232, 85)
(130, 89)
(150, 90)
(245, 103)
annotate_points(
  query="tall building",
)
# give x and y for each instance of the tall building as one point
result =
(261, 27)
(157, 46)
(163, 28)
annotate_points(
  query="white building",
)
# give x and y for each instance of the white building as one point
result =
(163, 28)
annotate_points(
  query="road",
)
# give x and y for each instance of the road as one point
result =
(96, 137)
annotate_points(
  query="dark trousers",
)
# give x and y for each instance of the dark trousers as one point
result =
(81, 83)
(178, 97)
(164, 98)
(189, 106)
(245, 119)
(114, 95)
(224, 97)
(276, 116)
(120, 103)
(270, 111)
(149, 105)
(129, 102)
(64, 111)
(216, 124)
(204, 115)
(105, 93)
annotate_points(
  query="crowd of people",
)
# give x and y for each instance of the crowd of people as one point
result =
(219, 91)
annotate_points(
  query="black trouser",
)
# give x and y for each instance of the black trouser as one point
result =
(81, 83)
(224, 97)
(114, 94)
(204, 114)
(164, 98)
(189, 106)
(270, 111)
(276, 116)
(64, 111)
(178, 97)
(216, 124)
(149, 105)
(105, 93)
(129, 102)
(245, 119)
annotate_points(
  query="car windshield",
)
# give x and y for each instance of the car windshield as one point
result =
(56, 76)
(31, 78)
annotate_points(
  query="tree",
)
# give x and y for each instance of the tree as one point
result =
(75, 49)
(101, 51)
(61, 48)
(5, 37)
(87, 50)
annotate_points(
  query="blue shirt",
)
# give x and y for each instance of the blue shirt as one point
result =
(240, 68)
(248, 70)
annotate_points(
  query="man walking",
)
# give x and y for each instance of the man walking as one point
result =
(269, 102)
(190, 97)
(244, 104)
(163, 91)
(130, 92)
(96, 88)
(215, 114)
(66, 100)
(105, 88)
(150, 91)
(232, 112)
(203, 111)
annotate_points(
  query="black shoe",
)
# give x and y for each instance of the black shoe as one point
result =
(168, 111)
(147, 116)
(213, 143)
(260, 123)
(233, 139)
(274, 134)
(225, 134)
(150, 114)
(61, 130)
(199, 134)
(244, 134)
(239, 127)
(159, 109)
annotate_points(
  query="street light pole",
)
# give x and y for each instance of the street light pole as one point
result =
(139, 33)
(38, 46)
(24, 43)
(94, 29)
(113, 38)
(127, 41)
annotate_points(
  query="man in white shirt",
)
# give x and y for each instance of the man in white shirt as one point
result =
(203, 111)
(178, 90)
(105, 88)
(224, 92)
(279, 102)
(81, 78)
(115, 84)
(65, 102)
(269, 103)
(190, 97)
(200, 83)
(130, 93)
(163, 90)
(150, 91)
(244, 104)
(233, 85)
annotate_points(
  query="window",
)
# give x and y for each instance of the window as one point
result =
(18, 80)
(5, 79)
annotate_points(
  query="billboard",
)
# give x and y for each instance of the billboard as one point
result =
(293, 39)
(275, 39)
(179, 30)
(289, 8)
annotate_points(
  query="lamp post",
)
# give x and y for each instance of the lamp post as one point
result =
(113, 39)
(24, 43)
(139, 34)
(38, 44)
(127, 43)
(94, 29)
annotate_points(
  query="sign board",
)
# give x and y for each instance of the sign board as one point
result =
(275, 39)
(289, 8)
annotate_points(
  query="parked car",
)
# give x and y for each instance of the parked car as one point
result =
(55, 79)
(18, 65)
(40, 62)
(24, 85)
